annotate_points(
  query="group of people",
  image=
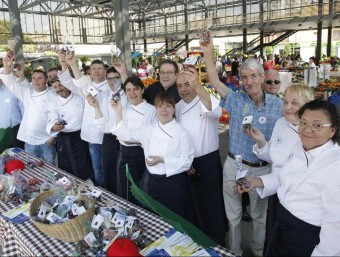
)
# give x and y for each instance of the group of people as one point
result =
(167, 135)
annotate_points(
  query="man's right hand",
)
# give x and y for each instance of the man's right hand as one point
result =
(62, 59)
(7, 62)
(57, 127)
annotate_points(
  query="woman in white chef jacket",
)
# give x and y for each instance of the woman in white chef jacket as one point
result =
(308, 220)
(168, 154)
(284, 138)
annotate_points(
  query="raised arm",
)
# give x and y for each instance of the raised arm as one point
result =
(213, 79)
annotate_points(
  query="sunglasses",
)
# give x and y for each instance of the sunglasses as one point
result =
(276, 82)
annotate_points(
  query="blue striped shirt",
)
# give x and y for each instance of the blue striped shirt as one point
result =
(238, 106)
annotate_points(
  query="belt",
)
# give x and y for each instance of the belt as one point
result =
(251, 164)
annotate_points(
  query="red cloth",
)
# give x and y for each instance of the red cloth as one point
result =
(13, 165)
(123, 247)
(268, 65)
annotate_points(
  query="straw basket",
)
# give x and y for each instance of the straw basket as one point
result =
(73, 230)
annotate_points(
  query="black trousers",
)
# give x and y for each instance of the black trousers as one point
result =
(208, 196)
(292, 236)
(273, 202)
(133, 156)
(73, 155)
(110, 155)
(172, 192)
(17, 142)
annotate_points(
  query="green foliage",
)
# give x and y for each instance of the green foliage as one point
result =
(84, 59)
(268, 50)
(50, 53)
(287, 50)
(29, 48)
(5, 31)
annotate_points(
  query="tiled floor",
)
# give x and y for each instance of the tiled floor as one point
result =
(246, 226)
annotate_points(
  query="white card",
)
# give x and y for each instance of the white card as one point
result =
(118, 220)
(42, 212)
(74, 209)
(96, 193)
(92, 91)
(90, 239)
(52, 217)
(64, 181)
(135, 235)
(241, 174)
(118, 52)
(80, 210)
(190, 61)
(247, 120)
(97, 221)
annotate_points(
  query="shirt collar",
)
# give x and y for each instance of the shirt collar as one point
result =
(316, 151)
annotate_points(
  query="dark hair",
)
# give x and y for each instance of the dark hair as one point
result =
(164, 97)
(173, 63)
(40, 71)
(134, 80)
(97, 62)
(312, 58)
(329, 109)
(111, 69)
(53, 69)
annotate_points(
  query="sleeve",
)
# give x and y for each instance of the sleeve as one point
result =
(146, 94)
(181, 158)
(228, 102)
(330, 225)
(52, 119)
(67, 81)
(124, 134)
(271, 184)
(262, 153)
(14, 86)
(24, 83)
(216, 109)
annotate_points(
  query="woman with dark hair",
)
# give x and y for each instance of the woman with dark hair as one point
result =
(137, 114)
(308, 220)
(169, 154)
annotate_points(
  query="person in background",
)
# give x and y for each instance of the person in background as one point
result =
(168, 154)
(264, 110)
(149, 68)
(64, 122)
(271, 84)
(105, 119)
(285, 136)
(51, 74)
(235, 65)
(268, 65)
(35, 99)
(98, 83)
(308, 221)
(199, 109)
(168, 71)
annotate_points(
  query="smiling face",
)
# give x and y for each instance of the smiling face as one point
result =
(113, 78)
(60, 89)
(98, 72)
(39, 81)
(292, 102)
(167, 75)
(165, 112)
(186, 92)
(271, 78)
(134, 93)
(252, 81)
(313, 138)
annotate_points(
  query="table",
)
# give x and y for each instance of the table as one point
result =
(27, 240)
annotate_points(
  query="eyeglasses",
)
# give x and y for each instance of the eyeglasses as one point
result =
(55, 79)
(169, 73)
(114, 78)
(276, 82)
(314, 126)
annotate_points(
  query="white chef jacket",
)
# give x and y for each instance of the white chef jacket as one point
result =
(136, 117)
(277, 150)
(69, 109)
(33, 126)
(170, 141)
(89, 132)
(308, 187)
(108, 120)
(10, 106)
(201, 123)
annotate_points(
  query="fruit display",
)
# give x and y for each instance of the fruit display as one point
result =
(331, 84)
(147, 82)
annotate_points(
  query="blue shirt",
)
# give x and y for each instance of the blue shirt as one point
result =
(11, 109)
(238, 106)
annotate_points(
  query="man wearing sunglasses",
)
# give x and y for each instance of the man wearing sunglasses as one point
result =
(271, 84)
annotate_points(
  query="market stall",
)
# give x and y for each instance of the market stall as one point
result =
(27, 240)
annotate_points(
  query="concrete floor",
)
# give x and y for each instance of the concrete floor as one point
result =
(246, 226)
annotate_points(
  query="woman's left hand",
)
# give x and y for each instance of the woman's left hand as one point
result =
(153, 160)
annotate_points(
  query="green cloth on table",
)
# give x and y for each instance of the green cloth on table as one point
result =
(6, 139)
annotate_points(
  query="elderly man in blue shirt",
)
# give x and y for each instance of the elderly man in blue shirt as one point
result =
(265, 110)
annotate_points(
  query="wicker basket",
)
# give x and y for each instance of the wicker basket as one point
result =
(73, 230)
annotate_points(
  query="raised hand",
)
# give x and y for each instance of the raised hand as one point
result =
(207, 47)
(257, 135)
(70, 58)
(7, 61)
(92, 101)
(192, 76)
(62, 59)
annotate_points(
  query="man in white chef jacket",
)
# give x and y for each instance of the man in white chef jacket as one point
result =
(198, 112)
(35, 99)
